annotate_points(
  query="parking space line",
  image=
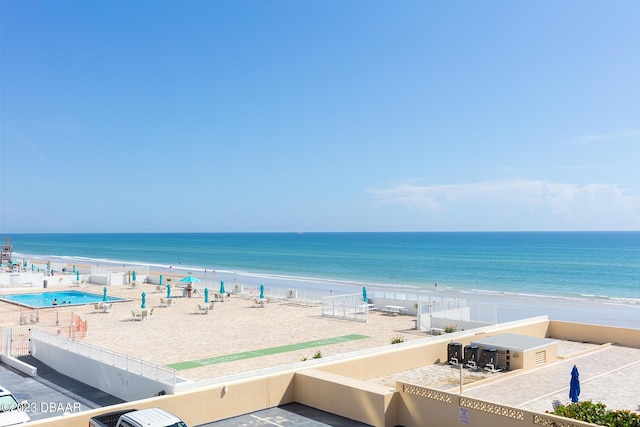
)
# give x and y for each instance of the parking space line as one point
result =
(266, 421)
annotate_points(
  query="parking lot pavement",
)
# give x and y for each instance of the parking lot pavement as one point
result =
(50, 393)
(293, 414)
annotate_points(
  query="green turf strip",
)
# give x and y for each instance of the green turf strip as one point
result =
(264, 352)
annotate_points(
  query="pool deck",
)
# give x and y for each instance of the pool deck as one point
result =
(180, 334)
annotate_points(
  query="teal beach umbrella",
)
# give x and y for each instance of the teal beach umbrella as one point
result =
(168, 291)
(261, 290)
(144, 300)
(221, 287)
(77, 276)
(74, 268)
(104, 294)
(364, 294)
(206, 294)
(161, 280)
(133, 276)
(189, 279)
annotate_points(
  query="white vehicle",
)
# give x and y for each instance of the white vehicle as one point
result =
(11, 412)
(153, 417)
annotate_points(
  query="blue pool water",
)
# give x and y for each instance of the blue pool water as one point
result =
(45, 299)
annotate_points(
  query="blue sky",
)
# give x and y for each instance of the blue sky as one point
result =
(153, 116)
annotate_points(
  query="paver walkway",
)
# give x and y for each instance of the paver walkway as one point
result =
(609, 375)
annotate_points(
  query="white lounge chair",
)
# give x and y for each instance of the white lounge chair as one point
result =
(203, 309)
(258, 302)
(136, 315)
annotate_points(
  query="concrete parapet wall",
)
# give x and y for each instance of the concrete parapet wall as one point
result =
(337, 394)
(594, 333)
(199, 406)
(424, 407)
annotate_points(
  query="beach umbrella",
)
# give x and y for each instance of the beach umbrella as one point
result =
(78, 276)
(74, 268)
(206, 294)
(574, 385)
(144, 300)
(161, 280)
(168, 291)
(31, 266)
(222, 287)
(104, 294)
(133, 275)
(189, 279)
(261, 290)
(364, 294)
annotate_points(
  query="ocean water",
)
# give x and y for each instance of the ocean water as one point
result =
(591, 265)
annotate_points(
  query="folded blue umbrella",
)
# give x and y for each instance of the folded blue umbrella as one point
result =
(574, 385)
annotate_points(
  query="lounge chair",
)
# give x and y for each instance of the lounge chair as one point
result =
(163, 302)
(258, 303)
(96, 307)
(203, 309)
(136, 315)
(105, 308)
(170, 302)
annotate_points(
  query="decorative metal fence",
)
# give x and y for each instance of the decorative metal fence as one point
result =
(16, 342)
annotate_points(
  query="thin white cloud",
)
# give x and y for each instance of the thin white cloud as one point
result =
(26, 141)
(614, 136)
(516, 204)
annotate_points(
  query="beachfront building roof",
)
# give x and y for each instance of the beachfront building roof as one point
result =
(369, 386)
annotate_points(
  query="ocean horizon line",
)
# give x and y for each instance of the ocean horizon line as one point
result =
(315, 232)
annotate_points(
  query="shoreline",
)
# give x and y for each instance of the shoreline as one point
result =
(509, 306)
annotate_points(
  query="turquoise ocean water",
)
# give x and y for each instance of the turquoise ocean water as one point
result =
(591, 265)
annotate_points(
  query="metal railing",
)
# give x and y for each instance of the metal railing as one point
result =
(108, 357)
(349, 307)
(16, 342)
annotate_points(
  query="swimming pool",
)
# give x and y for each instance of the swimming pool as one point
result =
(46, 299)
